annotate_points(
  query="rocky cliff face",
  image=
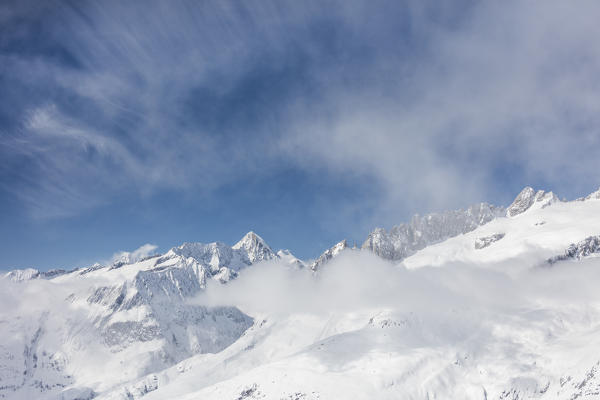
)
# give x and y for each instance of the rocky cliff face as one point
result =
(588, 247)
(405, 239)
(328, 255)
(529, 198)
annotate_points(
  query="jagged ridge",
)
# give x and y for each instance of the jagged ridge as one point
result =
(405, 239)
(577, 251)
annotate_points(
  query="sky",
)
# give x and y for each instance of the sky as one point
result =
(152, 123)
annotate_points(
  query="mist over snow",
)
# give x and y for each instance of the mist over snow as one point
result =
(357, 280)
(138, 254)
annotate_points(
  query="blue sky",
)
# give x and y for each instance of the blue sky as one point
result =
(125, 123)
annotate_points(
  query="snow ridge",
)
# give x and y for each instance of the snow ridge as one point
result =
(592, 196)
(527, 198)
(19, 275)
(329, 254)
(405, 239)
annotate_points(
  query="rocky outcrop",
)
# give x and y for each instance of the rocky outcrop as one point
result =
(486, 241)
(576, 251)
(405, 239)
(528, 198)
(328, 255)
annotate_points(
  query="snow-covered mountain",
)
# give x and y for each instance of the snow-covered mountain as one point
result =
(254, 248)
(483, 303)
(17, 275)
(405, 239)
(529, 198)
(132, 319)
(328, 255)
(537, 226)
(288, 258)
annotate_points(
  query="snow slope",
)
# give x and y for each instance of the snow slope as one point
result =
(543, 230)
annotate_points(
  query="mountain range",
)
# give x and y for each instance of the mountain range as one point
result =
(486, 302)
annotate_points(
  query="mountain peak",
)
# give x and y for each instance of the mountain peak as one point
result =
(522, 202)
(255, 247)
(329, 254)
(250, 238)
(527, 198)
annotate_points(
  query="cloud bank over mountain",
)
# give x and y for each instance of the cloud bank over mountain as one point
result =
(358, 280)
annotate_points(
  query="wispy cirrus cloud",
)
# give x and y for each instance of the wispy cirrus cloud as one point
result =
(132, 99)
(433, 105)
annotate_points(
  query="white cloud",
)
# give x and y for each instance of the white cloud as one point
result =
(359, 280)
(507, 96)
(505, 89)
(138, 254)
